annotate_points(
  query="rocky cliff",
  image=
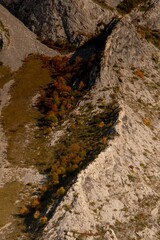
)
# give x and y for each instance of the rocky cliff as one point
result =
(61, 22)
(116, 196)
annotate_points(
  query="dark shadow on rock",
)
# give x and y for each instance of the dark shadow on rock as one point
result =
(91, 51)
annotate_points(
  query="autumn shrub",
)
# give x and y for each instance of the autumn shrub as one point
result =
(86, 135)
(147, 122)
(59, 98)
(72, 153)
(60, 191)
(35, 202)
(139, 73)
(24, 211)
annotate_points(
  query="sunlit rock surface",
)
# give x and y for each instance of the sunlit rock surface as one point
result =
(63, 22)
(117, 196)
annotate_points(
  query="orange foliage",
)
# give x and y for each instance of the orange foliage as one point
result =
(58, 98)
(24, 211)
(81, 85)
(35, 202)
(44, 188)
(147, 122)
(74, 147)
(43, 220)
(139, 73)
(101, 124)
(36, 214)
(104, 140)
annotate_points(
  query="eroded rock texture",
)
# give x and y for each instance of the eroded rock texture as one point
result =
(63, 22)
(117, 197)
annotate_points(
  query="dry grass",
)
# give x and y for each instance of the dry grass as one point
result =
(19, 113)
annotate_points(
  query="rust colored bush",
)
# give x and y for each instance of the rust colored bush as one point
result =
(35, 202)
(139, 73)
(24, 211)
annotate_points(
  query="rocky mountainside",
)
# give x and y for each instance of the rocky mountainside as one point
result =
(61, 22)
(17, 41)
(101, 169)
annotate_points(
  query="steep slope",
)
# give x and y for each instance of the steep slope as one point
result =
(117, 197)
(17, 41)
(62, 22)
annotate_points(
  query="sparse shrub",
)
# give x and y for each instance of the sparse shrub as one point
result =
(61, 191)
(51, 119)
(35, 202)
(44, 188)
(104, 140)
(37, 214)
(43, 220)
(24, 211)
(147, 122)
(139, 73)
(67, 207)
(55, 177)
(101, 124)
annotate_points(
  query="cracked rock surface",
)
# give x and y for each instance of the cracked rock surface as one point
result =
(117, 196)
(70, 21)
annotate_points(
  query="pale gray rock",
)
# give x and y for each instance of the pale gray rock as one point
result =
(117, 196)
(18, 41)
(63, 22)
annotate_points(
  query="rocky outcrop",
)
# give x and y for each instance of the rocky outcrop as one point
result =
(18, 41)
(62, 22)
(117, 197)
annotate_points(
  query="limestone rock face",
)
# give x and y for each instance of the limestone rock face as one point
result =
(117, 196)
(70, 21)
(17, 41)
